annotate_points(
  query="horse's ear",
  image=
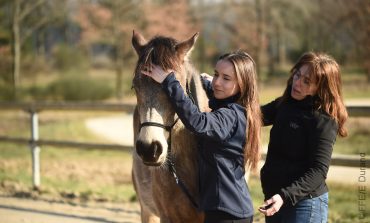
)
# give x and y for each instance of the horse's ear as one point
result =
(138, 41)
(184, 48)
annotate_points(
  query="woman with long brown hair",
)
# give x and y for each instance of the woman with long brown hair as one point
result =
(229, 134)
(305, 121)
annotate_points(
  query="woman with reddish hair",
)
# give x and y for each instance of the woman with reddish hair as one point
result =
(305, 121)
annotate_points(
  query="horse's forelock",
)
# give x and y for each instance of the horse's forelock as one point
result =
(144, 59)
(159, 51)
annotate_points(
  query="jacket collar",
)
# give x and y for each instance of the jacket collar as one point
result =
(307, 103)
(218, 103)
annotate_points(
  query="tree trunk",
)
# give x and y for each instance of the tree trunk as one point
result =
(281, 46)
(270, 42)
(16, 47)
(259, 32)
(367, 66)
(119, 50)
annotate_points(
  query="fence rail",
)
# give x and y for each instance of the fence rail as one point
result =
(81, 145)
(353, 110)
(63, 106)
(34, 108)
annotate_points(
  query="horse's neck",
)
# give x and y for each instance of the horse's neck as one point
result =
(184, 144)
(182, 136)
(196, 89)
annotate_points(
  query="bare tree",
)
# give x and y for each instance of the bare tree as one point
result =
(19, 15)
(169, 18)
(111, 22)
(24, 24)
(355, 20)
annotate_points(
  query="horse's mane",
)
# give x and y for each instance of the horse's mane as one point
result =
(159, 51)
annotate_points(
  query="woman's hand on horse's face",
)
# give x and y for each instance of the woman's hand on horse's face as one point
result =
(207, 77)
(156, 73)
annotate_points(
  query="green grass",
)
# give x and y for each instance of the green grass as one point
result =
(268, 93)
(82, 174)
(355, 143)
(343, 202)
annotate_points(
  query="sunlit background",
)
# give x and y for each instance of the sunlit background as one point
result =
(80, 51)
(50, 48)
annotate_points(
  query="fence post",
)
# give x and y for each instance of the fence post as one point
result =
(35, 149)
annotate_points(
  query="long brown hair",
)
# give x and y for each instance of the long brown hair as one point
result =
(326, 72)
(246, 76)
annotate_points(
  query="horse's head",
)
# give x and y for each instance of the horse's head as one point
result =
(155, 113)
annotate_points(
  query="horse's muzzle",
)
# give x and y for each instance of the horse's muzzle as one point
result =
(149, 153)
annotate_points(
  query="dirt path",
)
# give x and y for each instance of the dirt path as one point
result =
(117, 129)
(16, 210)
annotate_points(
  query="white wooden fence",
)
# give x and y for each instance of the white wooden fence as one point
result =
(35, 108)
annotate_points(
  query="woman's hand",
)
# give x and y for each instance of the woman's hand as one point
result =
(272, 205)
(206, 76)
(156, 73)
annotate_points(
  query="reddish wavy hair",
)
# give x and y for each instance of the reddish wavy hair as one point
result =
(326, 72)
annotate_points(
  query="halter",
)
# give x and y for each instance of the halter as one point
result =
(168, 128)
(171, 163)
(156, 124)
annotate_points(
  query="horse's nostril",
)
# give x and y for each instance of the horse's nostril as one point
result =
(157, 149)
(149, 152)
(140, 148)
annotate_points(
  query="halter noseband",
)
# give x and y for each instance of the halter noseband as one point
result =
(165, 127)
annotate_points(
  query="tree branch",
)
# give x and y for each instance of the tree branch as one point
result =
(33, 29)
(29, 9)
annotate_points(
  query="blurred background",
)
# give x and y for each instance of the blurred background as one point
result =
(50, 48)
(78, 51)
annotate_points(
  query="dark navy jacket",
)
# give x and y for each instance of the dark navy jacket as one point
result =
(299, 151)
(222, 134)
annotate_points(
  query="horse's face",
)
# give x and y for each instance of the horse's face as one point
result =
(152, 103)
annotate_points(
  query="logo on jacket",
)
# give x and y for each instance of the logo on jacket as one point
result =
(293, 125)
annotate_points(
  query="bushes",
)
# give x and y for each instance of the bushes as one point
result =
(79, 89)
(70, 88)
(6, 91)
(68, 58)
(75, 84)
(67, 88)
(65, 76)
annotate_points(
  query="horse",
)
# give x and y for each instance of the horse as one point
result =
(161, 139)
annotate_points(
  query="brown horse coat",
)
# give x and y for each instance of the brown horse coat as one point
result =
(161, 199)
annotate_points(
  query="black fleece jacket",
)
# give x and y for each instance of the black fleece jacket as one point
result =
(299, 151)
